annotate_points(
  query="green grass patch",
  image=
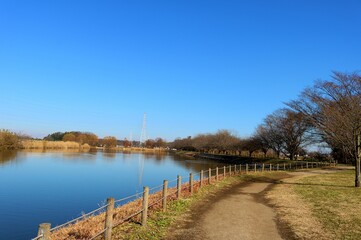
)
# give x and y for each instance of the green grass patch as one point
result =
(334, 201)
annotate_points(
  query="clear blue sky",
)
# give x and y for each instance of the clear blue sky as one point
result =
(192, 66)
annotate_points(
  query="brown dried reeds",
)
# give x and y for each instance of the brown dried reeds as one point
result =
(52, 145)
(91, 226)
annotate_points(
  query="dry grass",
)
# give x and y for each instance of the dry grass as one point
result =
(89, 227)
(42, 144)
(319, 206)
(129, 228)
(295, 212)
(335, 202)
(85, 229)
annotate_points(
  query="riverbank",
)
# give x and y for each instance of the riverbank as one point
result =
(133, 149)
(232, 159)
(159, 221)
(103, 174)
(70, 145)
(134, 211)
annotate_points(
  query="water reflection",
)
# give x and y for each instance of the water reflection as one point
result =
(6, 156)
(109, 155)
(77, 181)
(78, 157)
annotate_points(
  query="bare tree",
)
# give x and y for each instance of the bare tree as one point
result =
(284, 131)
(183, 144)
(109, 142)
(202, 142)
(150, 143)
(268, 135)
(223, 140)
(127, 143)
(253, 144)
(160, 142)
(294, 132)
(334, 108)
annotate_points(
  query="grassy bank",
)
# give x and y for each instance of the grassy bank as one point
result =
(158, 221)
(232, 158)
(335, 202)
(319, 206)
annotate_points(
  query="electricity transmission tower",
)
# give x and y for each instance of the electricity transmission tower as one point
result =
(143, 138)
(143, 135)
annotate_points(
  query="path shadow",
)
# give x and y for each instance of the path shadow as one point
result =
(317, 184)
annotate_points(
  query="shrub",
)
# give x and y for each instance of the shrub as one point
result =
(8, 140)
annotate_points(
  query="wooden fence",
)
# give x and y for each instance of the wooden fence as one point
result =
(45, 231)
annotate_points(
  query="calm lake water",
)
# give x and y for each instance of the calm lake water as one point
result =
(37, 187)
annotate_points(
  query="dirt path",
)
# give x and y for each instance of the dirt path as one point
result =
(237, 212)
(240, 211)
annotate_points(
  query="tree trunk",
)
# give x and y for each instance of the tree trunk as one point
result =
(278, 152)
(357, 165)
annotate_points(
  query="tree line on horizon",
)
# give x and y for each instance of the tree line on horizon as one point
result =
(11, 140)
(329, 112)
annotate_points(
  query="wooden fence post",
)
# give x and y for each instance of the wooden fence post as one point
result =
(216, 173)
(224, 171)
(44, 230)
(230, 170)
(270, 167)
(109, 219)
(179, 186)
(246, 167)
(262, 167)
(209, 175)
(201, 179)
(191, 183)
(290, 166)
(165, 189)
(145, 206)
(284, 166)
(255, 167)
(240, 168)
(235, 169)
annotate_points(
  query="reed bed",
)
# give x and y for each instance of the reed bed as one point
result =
(42, 144)
(91, 226)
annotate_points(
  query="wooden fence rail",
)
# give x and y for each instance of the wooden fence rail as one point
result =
(44, 230)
